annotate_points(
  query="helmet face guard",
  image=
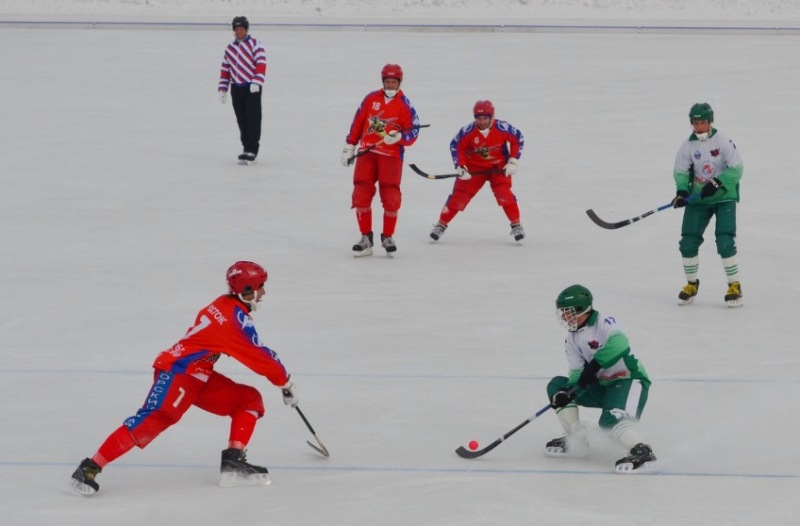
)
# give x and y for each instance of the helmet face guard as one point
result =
(569, 317)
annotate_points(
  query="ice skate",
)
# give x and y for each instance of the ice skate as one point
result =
(247, 158)
(572, 446)
(236, 471)
(687, 294)
(734, 295)
(82, 481)
(364, 246)
(438, 230)
(517, 232)
(388, 243)
(639, 459)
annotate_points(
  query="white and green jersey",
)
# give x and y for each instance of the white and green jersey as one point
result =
(697, 162)
(602, 339)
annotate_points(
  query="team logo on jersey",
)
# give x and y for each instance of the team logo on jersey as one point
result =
(709, 168)
(594, 344)
(378, 125)
(484, 152)
(697, 155)
(715, 152)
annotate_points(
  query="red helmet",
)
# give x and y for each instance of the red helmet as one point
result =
(483, 107)
(245, 277)
(392, 71)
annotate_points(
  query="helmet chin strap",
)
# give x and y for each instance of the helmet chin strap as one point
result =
(252, 303)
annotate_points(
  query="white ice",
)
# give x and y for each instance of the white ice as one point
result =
(121, 205)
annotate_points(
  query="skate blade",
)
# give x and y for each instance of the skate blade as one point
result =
(232, 480)
(557, 452)
(735, 303)
(362, 253)
(79, 488)
(244, 162)
(628, 469)
(686, 302)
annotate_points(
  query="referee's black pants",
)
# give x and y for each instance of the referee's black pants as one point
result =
(247, 107)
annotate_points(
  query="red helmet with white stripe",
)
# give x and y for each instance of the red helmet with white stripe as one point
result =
(483, 107)
(392, 71)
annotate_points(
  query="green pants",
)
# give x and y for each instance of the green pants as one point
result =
(618, 400)
(695, 222)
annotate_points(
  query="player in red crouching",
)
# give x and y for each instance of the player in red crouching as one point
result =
(184, 376)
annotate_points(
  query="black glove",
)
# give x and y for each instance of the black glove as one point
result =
(680, 199)
(589, 374)
(560, 399)
(711, 188)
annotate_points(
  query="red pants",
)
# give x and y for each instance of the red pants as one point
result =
(464, 191)
(173, 394)
(386, 171)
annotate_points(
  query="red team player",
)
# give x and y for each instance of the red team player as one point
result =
(184, 376)
(384, 125)
(486, 150)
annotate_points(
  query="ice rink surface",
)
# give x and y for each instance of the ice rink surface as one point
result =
(122, 206)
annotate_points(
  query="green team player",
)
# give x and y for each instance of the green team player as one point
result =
(607, 376)
(708, 165)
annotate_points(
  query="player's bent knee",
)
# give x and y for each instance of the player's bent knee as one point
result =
(558, 383)
(726, 246)
(249, 399)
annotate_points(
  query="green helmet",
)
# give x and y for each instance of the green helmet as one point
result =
(701, 111)
(576, 296)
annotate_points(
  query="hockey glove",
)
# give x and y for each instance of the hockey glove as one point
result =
(589, 374)
(289, 395)
(348, 154)
(511, 166)
(560, 399)
(222, 96)
(392, 137)
(711, 188)
(463, 173)
(680, 199)
(254, 88)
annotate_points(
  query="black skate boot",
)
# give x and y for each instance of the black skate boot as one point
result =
(387, 242)
(364, 246)
(575, 446)
(82, 480)
(236, 471)
(638, 460)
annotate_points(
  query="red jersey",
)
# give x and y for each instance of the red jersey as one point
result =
(378, 115)
(223, 327)
(488, 149)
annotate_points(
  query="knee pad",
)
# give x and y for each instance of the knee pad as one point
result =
(689, 245)
(391, 197)
(458, 201)
(504, 196)
(726, 245)
(363, 194)
(558, 383)
(250, 400)
(144, 428)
